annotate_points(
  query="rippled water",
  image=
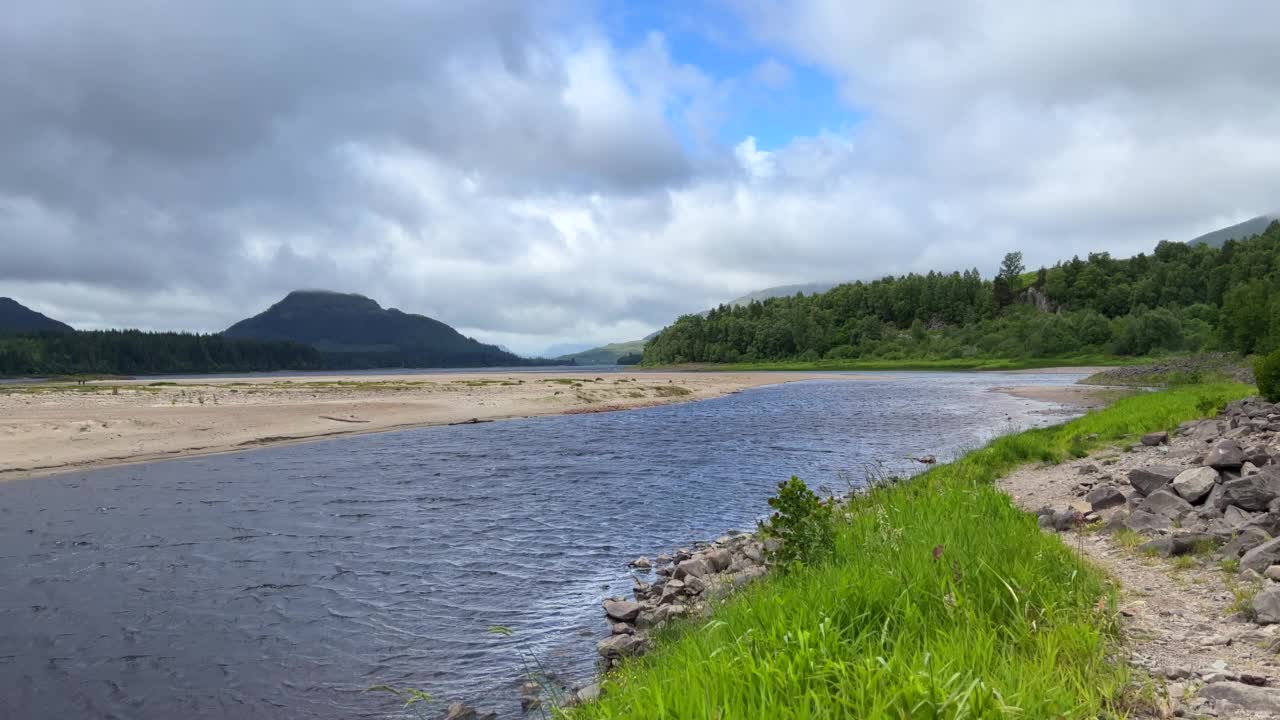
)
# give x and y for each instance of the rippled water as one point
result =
(282, 582)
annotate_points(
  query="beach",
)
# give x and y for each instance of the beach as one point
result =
(47, 428)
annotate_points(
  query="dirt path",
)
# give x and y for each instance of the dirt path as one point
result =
(1182, 616)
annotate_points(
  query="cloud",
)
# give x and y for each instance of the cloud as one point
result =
(514, 170)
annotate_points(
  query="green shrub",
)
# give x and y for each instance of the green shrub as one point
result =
(804, 523)
(1266, 370)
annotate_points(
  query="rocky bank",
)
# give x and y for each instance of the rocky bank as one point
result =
(1189, 524)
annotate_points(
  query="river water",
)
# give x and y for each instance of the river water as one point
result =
(283, 582)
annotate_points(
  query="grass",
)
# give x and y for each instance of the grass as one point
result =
(954, 364)
(944, 601)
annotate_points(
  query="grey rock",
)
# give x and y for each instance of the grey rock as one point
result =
(1104, 497)
(1244, 541)
(1237, 518)
(719, 559)
(622, 610)
(1088, 469)
(1166, 504)
(1045, 522)
(694, 585)
(1248, 469)
(641, 563)
(1272, 573)
(620, 646)
(1143, 521)
(1147, 480)
(1215, 498)
(1175, 545)
(1206, 430)
(1155, 438)
(461, 711)
(1064, 519)
(1249, 493)
(1262, 557)
(1225, 455)
(621, 629)
(1194, 484)
(697, 567)
(1248, 697)
(667, 613)
(588, 693)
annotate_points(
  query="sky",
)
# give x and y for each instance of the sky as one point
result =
(578, 171)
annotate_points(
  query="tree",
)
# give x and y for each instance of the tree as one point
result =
(1011, 269)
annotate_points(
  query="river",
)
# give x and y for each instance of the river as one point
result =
(283, 582)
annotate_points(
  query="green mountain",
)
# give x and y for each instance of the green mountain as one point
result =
(605, 354)
(1248, 228)
(354, 331)
(17, 317)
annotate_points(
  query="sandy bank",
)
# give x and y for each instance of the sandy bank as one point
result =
(1089, 397)
(56, 427)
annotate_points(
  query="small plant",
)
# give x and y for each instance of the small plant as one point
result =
(804, 523)
(1127, 538)
(410, 696)
(1266, 370)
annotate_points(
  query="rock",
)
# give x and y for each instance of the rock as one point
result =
(1194, 484)
(622, 610)
(620, 646)
(694, 585)
(1103, 497)
(666, 613)
(1063, 520)
(1236, 518)
(1248, 697)
(1257, 456)
(461, 711)
(1226, 455)
(720, 559)
(663, 559)
(1165, 504)
(1045, 522)
(1272, 573)
(697, 566)
(641, 563)
(1206, 430)
(1262, 557)
(1143, 521)
(1155, 438)
(1089, 469)
(588, 693)
(1176, 545)
(1249, 493)
(1244, 541)
(753, 552)
(1248, 469)
(621, 629)
(1149, 479)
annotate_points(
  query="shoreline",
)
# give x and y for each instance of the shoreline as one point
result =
(54, 428)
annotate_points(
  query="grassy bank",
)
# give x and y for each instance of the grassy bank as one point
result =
(957, 364)
(945, 601)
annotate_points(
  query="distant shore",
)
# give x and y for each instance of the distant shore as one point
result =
(48, 428)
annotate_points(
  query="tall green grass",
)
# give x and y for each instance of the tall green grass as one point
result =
(944, 601)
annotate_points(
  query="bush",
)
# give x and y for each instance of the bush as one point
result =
(1266, 369)
(804, 523)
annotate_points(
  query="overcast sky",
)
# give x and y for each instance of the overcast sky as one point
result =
(543, 172)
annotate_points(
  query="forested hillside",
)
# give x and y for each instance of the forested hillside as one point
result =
(1179, 298)
(19, 318)
(128, 352)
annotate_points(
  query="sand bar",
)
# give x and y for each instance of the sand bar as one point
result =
(49, 428)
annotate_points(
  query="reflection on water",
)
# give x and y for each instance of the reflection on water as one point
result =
(282, 582)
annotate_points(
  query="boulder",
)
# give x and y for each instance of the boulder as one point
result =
(622, 610)
(1248, 493)
(1104, 497)
(1155, 438)
(719, 559)
(641, 563)
(1266, 606)
(1244, 541)
(1147, 480)
(1247, 697)
(1257, 455)
(1225, 455)
(1236, 518)
(1262, 557)
(461, 711)
(620, 646)
(1272, 573)
(1143, 521)
(1175, 545)
(588, 693)
(1064, 519)
(1206, 430)
(1165, 504)
(696, 566)
(1194, 484)
(1088, 469)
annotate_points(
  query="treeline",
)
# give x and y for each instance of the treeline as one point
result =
(1179, 298)
(133, 352)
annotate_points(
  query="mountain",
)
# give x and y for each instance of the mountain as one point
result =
(782, 291)
(1248, 228)
(561, 349)
(14, 316)
(605, 354)
(354, 331)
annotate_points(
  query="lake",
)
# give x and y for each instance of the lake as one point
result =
(283, 582)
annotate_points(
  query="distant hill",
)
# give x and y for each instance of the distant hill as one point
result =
(1248, 228)
(605, 354)
(561, 349)
(782, 291)
(18, 317)
(354, 331)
